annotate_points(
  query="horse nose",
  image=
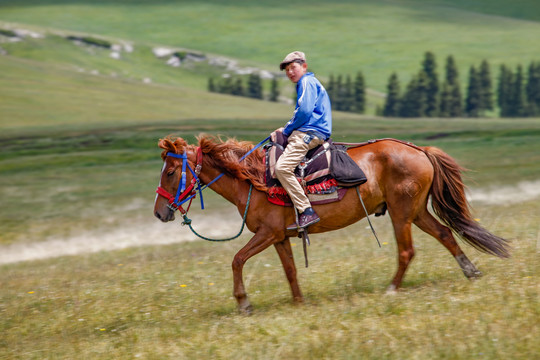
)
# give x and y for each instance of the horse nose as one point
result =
(157, 214)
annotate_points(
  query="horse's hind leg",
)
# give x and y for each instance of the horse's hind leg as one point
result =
(433, 227)
(402, 230)
(287, 259)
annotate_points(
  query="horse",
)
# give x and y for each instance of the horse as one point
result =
(401, 178)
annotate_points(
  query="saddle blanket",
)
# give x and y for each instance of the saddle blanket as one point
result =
(314, 173)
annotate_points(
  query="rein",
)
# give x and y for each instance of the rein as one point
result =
(185, 194)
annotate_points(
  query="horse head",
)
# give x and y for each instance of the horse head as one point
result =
(177, 158)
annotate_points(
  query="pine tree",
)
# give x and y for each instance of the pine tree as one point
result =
(237, 87)
(331, 88)
(225, 87)
(414, 101)
(472, 101)
(451, 101)
(391, 105)
(445, 100)
(338, 93)
(347, 95)
(486, 88)
(504, 91)
(274, 90)
(359, 93)
(254, 86)
(517, 96)
(432, 84)
(532, 89)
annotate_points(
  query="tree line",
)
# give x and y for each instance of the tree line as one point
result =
(517, 95)
(251, 87)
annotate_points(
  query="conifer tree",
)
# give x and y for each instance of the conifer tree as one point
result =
(517, 97)
(331, 88)
(432, 84)
(504, 90)
(338, 93)
(254, 86)
(347, 95)
(274, 90)
(472, 101)
(414, 102)
(446, 98)
(237, 87)
(225, 87)
(486, 88)
(391, 105)
(452, 99)
(532, 89)
(359, 93)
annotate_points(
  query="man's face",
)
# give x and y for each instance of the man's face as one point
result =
(295, 71)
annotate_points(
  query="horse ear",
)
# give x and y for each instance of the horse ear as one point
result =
(179, 145)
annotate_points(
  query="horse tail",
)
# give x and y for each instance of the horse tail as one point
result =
(450, 203)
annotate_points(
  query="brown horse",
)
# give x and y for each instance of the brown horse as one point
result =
(401, 178)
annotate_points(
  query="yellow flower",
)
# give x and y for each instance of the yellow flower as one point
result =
(210, 284)
(183, 285)
(30, 292)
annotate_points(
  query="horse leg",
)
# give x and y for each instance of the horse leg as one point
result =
(427, 223)
(260, 241)
(402, 231)
(287, 259)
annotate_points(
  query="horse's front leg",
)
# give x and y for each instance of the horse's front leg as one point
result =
(285, 253)
(260, 241)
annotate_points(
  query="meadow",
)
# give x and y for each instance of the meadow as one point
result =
(376, 37)
(79, 163)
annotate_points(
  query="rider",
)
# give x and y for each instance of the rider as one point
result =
(309, 127)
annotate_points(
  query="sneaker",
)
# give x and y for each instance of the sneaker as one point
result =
(307, 218)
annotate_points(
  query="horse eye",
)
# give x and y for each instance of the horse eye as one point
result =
(171, 172)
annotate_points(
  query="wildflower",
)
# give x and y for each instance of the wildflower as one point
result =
(183, 285)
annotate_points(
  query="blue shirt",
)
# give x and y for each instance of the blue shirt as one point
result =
(313, 111)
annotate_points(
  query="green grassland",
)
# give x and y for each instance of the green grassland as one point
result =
(377, 37)
(175, 302)
(79, 157)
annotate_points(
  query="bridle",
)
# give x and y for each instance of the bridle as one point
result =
(186, 193)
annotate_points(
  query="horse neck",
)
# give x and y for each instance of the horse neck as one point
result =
(232, 189)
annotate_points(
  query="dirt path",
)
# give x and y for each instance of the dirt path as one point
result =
(216, 225)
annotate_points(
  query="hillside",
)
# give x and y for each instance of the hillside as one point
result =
(376, 37)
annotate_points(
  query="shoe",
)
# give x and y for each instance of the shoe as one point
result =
(307, 218)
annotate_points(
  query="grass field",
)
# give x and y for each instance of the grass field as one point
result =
(79, 166)
(175, 301)
(378, 37)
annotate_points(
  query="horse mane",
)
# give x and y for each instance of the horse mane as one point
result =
(224, 155)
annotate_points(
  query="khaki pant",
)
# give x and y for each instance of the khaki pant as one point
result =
(292, 156)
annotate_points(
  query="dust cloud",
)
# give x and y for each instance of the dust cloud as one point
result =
(153, 232)
(523, 191)
(217, 225)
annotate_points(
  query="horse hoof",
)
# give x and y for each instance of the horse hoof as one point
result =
(473, 275)
(391, 290)
(246, 310)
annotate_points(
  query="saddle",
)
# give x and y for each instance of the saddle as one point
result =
(324, 173)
